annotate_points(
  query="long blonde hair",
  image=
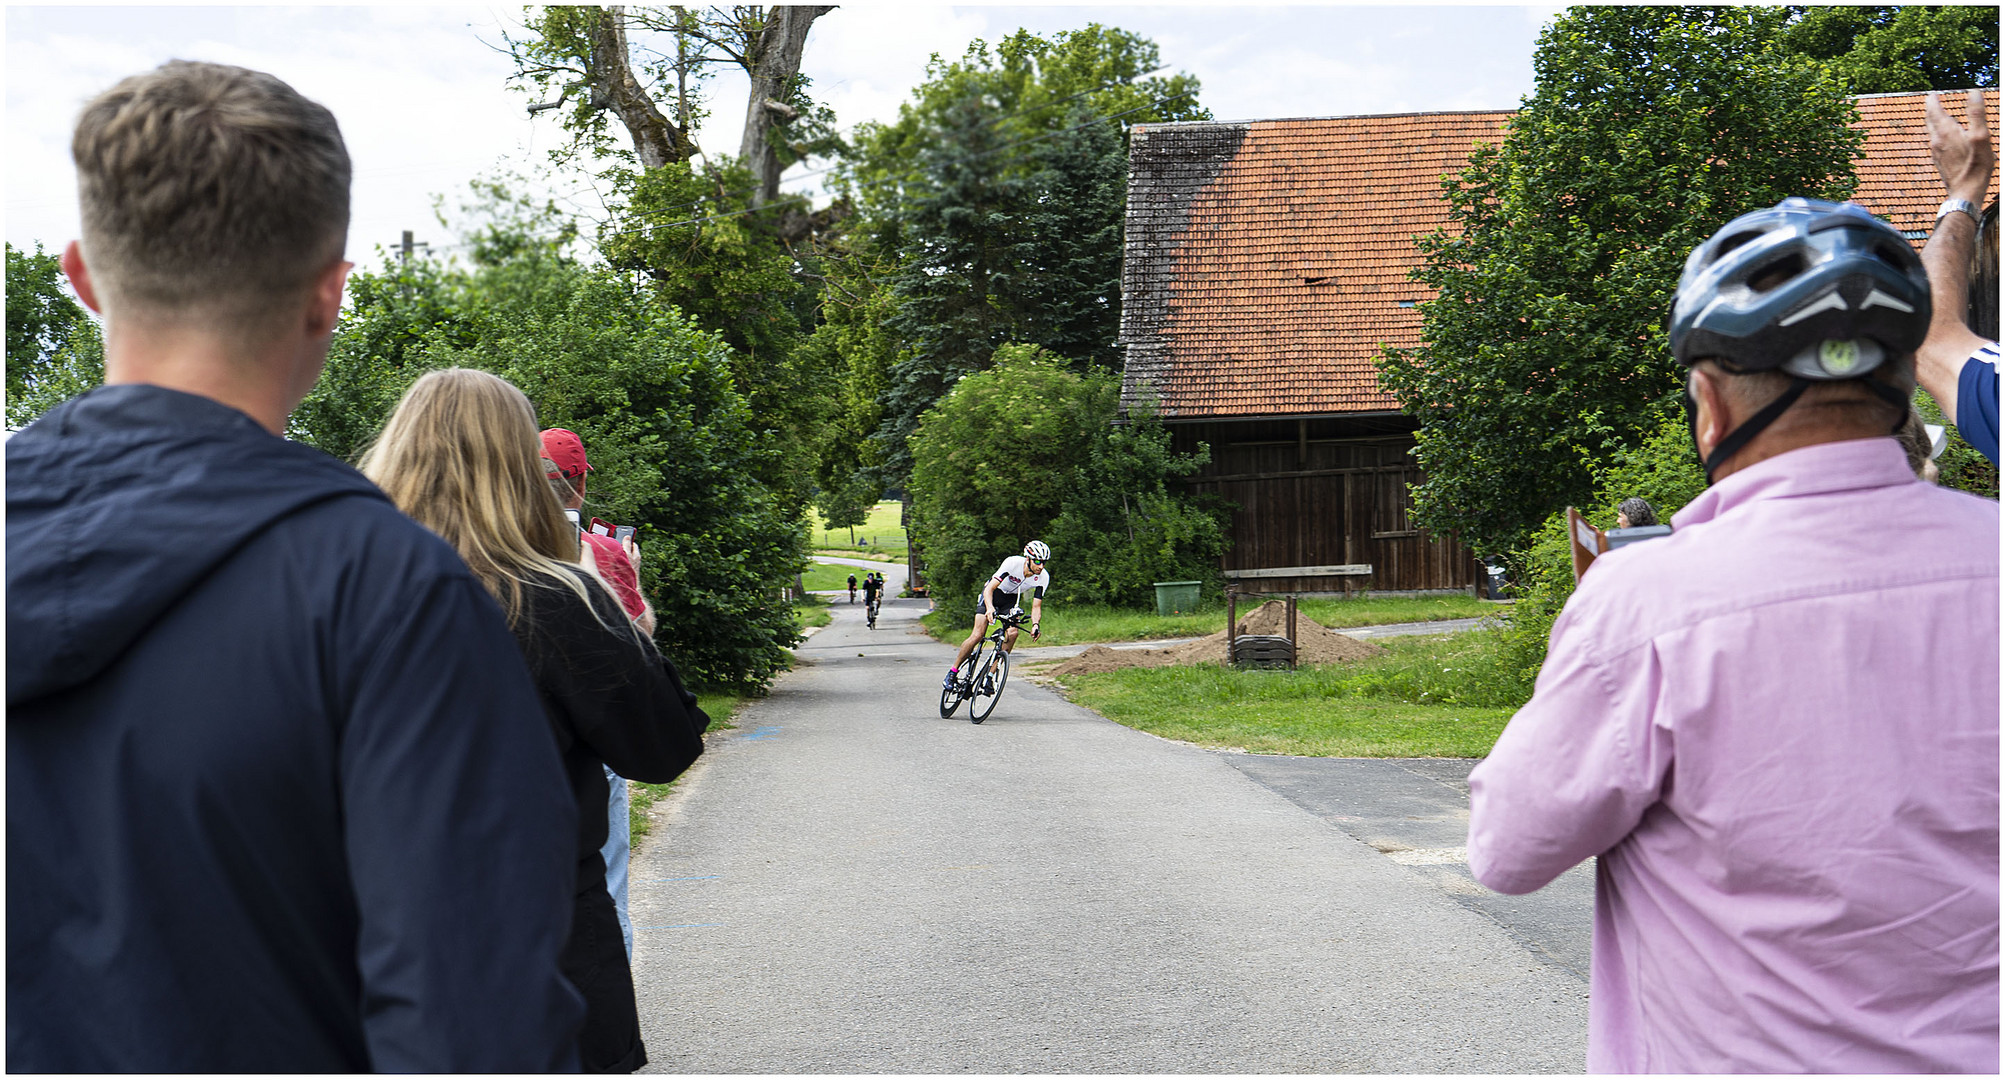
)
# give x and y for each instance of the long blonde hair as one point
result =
(461, 456)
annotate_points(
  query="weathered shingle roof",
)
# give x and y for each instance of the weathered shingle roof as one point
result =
(1266, 261)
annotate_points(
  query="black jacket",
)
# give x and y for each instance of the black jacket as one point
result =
(610, 698)
(279, 794)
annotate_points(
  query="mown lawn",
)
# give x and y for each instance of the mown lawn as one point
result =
(1081, 624)
(719, 707)
(822, 576)
(879, 533)
(1427, 697)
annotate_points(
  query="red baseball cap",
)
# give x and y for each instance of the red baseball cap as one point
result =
(567, 450)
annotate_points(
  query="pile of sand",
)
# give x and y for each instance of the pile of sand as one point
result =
(1314, 644)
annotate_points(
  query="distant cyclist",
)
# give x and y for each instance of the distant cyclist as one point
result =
(852, 588)
(870, 590)
(1018, 574)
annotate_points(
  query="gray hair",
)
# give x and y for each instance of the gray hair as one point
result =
(1639, 512)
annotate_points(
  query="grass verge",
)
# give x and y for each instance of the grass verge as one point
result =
(1426, 697)
(812, 611)
(1085, 624)
(720, 708)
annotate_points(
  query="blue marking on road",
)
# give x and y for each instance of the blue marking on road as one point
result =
(765, 732)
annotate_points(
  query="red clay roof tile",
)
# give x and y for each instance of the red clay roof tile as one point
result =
(1267, 261)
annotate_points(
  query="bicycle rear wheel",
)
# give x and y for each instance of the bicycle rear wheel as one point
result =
(988, 687)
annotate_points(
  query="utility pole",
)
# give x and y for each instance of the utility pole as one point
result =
(404, 256)
(408, 245)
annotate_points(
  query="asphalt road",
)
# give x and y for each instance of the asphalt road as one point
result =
(849, 883)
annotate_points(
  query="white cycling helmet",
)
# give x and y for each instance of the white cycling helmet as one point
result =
(1036, 549)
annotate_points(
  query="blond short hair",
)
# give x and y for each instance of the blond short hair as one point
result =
(209, 190)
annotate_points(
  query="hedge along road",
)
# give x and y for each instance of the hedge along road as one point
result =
(848, 883)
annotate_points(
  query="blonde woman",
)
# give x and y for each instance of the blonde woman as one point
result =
(461, 456)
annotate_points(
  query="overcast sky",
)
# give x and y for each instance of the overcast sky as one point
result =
(424, 104)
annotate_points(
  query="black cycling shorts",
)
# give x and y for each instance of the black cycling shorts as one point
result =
(1006, 602)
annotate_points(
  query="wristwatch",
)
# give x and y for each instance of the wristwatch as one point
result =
(1951, 206)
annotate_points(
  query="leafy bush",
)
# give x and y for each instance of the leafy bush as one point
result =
(1960, 464)
(1664, 470)
(1028, 449)
(671, 440)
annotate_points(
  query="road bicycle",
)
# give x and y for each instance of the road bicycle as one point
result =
(870, 610)
(986, 672)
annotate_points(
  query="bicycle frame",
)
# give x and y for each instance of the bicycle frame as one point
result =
(985, 667)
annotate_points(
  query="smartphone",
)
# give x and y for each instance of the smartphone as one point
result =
(623, 533)
(603, 528)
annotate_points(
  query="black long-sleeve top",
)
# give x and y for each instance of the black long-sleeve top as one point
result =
(610, 697)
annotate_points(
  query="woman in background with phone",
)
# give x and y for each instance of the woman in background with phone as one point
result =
(460, 455)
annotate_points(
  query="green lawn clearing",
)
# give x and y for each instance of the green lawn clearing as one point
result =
(1427, 697)
(879, 533)
(1083, 624)
(824, 576)
(719, 707)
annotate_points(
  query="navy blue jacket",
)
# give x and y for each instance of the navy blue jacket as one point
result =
(280, 792)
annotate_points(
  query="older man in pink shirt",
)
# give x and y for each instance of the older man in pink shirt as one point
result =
(1778, 728)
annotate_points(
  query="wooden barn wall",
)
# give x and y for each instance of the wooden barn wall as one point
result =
(1323, 492)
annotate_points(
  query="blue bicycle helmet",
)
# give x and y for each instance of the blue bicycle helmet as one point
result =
(1822, 291)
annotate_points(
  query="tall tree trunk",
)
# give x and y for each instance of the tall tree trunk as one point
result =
(613, 85)
(774, 60)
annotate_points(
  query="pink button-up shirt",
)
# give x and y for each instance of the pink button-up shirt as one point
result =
(1778, 728)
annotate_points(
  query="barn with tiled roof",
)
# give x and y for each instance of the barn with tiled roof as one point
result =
(1266, 267)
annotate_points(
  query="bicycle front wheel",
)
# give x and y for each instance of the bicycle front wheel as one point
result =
(989, 687)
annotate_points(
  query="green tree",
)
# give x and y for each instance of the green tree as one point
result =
(710, 232)
(1886, 50)
(50, 337)
(1544, 355)
(673, 444)
(1123, 526)
(1000, 193)
(685, 229)
(857, 351)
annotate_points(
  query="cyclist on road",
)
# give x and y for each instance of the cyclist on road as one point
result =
(870, 588)
(852, 588)
(1003, 594)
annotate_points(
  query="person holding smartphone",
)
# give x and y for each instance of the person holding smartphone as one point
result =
(615, 560)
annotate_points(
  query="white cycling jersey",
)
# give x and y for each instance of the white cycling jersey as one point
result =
(1014, 576)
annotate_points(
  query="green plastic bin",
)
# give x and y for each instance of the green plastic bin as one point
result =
(1176, 597)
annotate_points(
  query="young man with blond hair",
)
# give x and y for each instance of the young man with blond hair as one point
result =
(280, 793)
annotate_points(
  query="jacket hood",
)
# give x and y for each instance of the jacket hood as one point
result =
(122, 500)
